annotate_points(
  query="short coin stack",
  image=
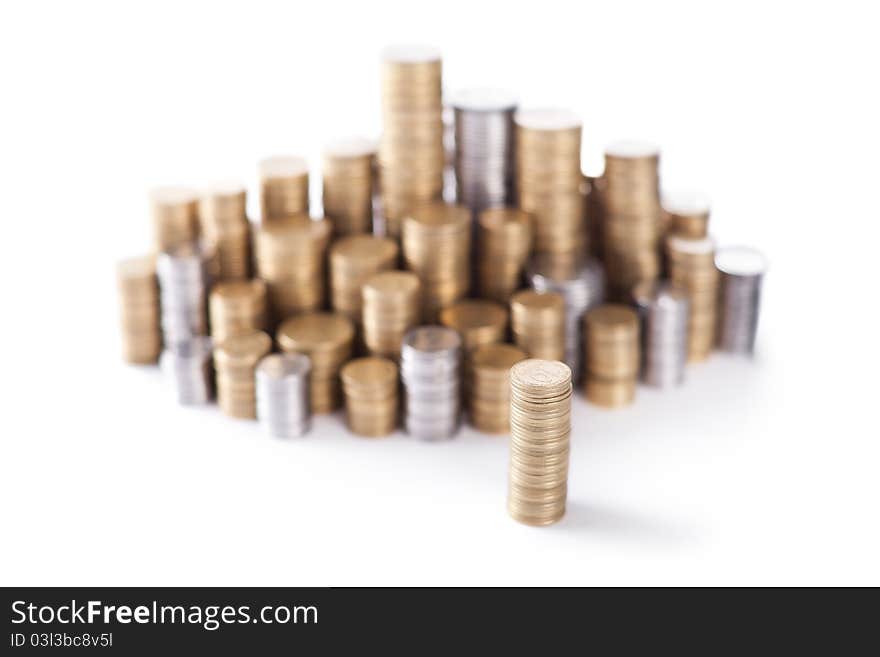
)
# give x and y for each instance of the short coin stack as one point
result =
(538, 323)
(664, 311)
(235, 360)
(371, 395)
(431, 373)
(237, 308)
(612, 354)
(188, 364)
(348, 185)
(687, 214)
(184, 279)
(479, 321)
(139, 310)
(224, 223)
(488, 381)
(353, 260)
(505, 241)
(391, 307)
(742, 272)
(540, 431)
(282, 382)
(691, 265)
(175, 213)
(284, 188)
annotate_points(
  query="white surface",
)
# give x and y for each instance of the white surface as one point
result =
(752, 473)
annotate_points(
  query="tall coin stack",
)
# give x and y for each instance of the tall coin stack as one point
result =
(742, 273)
(538, 322)
(411, 156)
(353, 260)
(348, 185)
(687, 214)
(540, 431)
(237, 308)
(188, 364)
(664, 311)
(391, 307)
(489, 385)
(612, 354)
(175, 213)
(184, 279)
(431, 373)
(284, 188)
(283, 394)
(235, 360)
(371, 395)
(326, 338)
(505, 241)
(224, 224)
(692, 267)
(139, 310)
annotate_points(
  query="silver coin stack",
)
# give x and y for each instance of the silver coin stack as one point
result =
(430, 368)
(663, 311)
(282, 382)
(187, 364)
(742, 273)
(184, 280)
(582, 286)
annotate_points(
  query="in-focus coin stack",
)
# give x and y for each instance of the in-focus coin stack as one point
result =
(391, 307)
(175, 213)
(284, 188)
(283, 394)
(237, 308)
(184, 279)
(326, 338)
(290, 258)
(488, 382)
(430, 368)
(348, 185)
(187, 364)
(353, 260)
(411, 155)
(235, 360)
(540, 431)
(663, 310)
(691, 265)
(538, 321)
(549, 182)
(436, 246)
(687, 214)
(505, 241)
(611, 340)
(139, 310)
(582, 286)
(224, 225)
(371, 395)
(742, 273)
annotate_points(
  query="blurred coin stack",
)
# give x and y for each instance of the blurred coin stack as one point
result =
(538, 323)
(184, 279)
(488, 381)
(353, 260)
(742, 273)
(282, 385)
(348, 185)
(139, 310)
(224, 225)
(235, 360)
(431, 373)
(540, 431)
(175, 212)
(326, 338)
(611, 340)
(505, 241)
(284, 188)
(411, 155)
(479, 322)
(687, 214)
(371, 395)
(691, 265)
(436, 246)
(237, 308)
(187, 364)
(664, 311)
(391, 307)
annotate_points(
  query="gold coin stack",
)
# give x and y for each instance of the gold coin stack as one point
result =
(391, 302)
(326, 338)
(353, 260)
(549, 182)
(540, 431)
(348, 186)
(290, 258)
(611, 346)
(224, 224)
(235, 361)
(237, 308)
(139, 310)
(436, 246)
(538, 323)
(687, 215)
(175, 213)
(505, 241)
(411, 155)
(489, 385)
(371, 395)
(284, 188)
(691, 265)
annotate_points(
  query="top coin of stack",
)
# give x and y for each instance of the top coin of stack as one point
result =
(139, 309)
(284, 188)
(371, 395)
(235, 361)
(505, 240)
(348, 185)
(391, 303)
(538, 323)
(353, 260)
(175, 213)
(224, 223)
(612, 354)
(488, 383)
(692, 268)
(687, 215)
(237, 308)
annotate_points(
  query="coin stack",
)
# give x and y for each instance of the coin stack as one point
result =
(436, 246)
(188, 364)
(479, 321)
(391, 302)
(411, 156)
(631, 215)
(224, 224)
(687, 214)
(549, 182)
(505, 241)
(348, 185)
(538, 323)
(611, 340)
(663, 310)
(290, 258)
(371, 397)
(282, 382)
(540, 431)
(692, 268)
(184, 279)
(139, 310)
(582, 286)
(742, 273)
(284, 188)
(326, 338)
(175, 213)
(237, 307)
(431, 373)
(488, 381)
(353, 260)
(235, 360)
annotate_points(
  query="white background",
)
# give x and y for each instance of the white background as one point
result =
(759, 472)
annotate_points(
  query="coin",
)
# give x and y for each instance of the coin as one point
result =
(138, 293)
(175, 213)
(348, 182)
(237, 307)
(489, 386)
(431, 376)
(282, 393)
(742, 272)
(187, 363)
(224, 225)
(691, 263)
(284, 188)
(371, 395)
